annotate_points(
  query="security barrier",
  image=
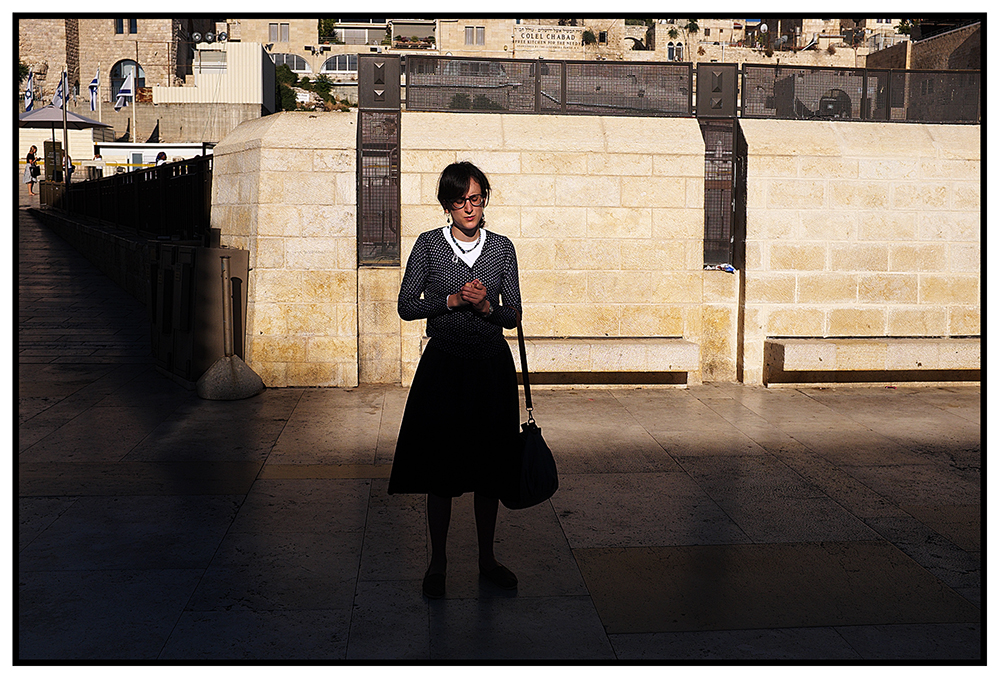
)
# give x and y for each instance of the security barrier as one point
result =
(185, 307)
(171, 201)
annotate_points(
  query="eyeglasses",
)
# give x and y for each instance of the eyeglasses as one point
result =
(476, 199)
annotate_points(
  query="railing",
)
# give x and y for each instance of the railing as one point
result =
(171, 201)
(435, 83)
(824, 93)
(542, 86)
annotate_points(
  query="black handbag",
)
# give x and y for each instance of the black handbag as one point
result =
(537, 479)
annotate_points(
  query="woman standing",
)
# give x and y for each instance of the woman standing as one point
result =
(460, 425)
(31, 171)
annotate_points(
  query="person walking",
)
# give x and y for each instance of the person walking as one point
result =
(460, 424)
(31, 170)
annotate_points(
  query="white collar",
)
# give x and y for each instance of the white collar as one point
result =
(467, 256)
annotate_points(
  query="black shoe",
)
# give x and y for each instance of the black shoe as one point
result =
(434, 585)
(500, 576)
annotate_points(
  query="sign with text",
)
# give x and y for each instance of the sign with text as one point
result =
(548, 37)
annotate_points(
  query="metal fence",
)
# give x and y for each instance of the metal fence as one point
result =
(378, 187)
(725, 191)
(171, 201)
(542, 86)
(825, 93)
(635, 88)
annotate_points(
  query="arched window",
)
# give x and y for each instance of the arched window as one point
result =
(340, 63)
(670, 51)
(293, 61)
(679, 52)
(120, 71)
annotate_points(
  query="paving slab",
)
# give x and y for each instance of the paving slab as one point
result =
(732, 587)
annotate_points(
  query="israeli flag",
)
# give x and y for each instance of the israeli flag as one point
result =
(95, 85)
(29, 93)
(125, 92)
(57, 99)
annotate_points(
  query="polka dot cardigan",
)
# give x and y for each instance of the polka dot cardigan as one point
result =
(433, 272)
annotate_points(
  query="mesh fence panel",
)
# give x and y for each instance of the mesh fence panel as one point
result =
(719, 186)
(378, 191)
(935, 96)
(823, 93)
(538, 86)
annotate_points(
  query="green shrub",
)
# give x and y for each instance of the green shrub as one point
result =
(460, 101)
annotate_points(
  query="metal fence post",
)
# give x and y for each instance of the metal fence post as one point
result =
(562, 86)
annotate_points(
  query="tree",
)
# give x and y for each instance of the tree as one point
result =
(322, 86)
(328, 30)
(286, 98)
(589, 38)
(284, 75)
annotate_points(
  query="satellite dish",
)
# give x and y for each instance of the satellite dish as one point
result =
(196, 37)
(209, 37)
(223, 36)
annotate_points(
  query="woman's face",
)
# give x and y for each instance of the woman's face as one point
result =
(466, 215)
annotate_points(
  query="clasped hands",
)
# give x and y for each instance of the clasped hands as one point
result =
(474, 293)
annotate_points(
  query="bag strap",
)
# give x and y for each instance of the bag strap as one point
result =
(524, 369)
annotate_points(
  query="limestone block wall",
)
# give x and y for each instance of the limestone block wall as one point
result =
(860, 230)
(284, 189)
(605, 214)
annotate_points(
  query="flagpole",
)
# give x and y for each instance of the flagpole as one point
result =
(65, 98)
(135, 87)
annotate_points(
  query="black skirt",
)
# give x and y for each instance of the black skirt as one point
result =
(459, 428)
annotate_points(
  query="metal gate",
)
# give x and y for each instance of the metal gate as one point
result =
(725, 191)
(378, 160)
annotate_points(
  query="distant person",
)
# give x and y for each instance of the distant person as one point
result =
(161, 158)
(31, 170)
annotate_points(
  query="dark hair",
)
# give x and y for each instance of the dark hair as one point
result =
(454, 182)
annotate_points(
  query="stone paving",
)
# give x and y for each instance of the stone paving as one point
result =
(722, 521)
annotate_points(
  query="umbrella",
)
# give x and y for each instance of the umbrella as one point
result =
(52, 116)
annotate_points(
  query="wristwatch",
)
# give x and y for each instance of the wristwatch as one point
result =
(488, 312)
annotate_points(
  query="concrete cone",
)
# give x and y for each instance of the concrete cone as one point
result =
(229, 379)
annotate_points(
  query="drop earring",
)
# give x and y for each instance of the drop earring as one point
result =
(447, 218)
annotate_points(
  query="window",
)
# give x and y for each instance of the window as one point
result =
(708, 32)
(355, 36)
(277, 32)
(120, 71)
(602, 36)
(675, 52)
(293, 61)
(123, 26)
(341, 63)
(211, 61)
(475, 35)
